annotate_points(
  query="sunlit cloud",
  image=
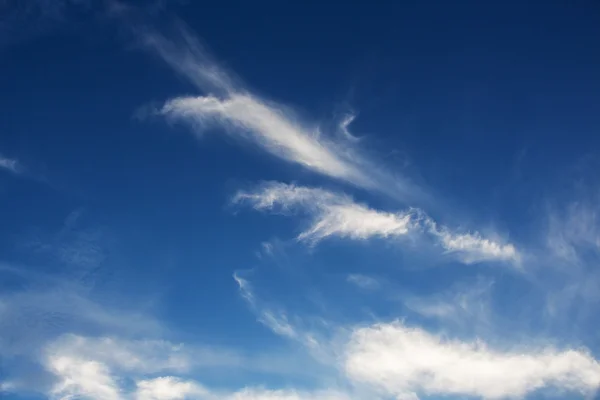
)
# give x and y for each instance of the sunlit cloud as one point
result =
(270, 126)
(338, 215)
(405, 362)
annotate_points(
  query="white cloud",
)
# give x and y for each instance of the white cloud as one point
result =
(141, 356)
(9, 164)
(81, 378)
(281, 324)
(104, 369)
(333, 214)
(172, 388)
(405, 362)
(267, 125)
(336, 215)
(263, 394)
(276, 321)
(169, 388)
(94, 369)
(363, 281)
(472, 247)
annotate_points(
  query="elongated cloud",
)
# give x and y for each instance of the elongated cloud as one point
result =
(404, 362)
(267, 125)
(335, 215)
(147, 356)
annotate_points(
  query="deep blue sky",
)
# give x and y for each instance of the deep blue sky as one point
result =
(491, 109)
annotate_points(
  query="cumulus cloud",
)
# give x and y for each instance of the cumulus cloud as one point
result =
(81, 378)
(337, 215)
(267, 125)
(82, 371)
(403, 362)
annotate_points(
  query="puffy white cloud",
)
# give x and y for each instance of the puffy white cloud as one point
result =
(338, 215)
(106, 369)
(404, 362)
(81, 378)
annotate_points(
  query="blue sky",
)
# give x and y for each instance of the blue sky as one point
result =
(277, 201)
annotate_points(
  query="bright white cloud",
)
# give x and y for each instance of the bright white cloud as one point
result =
(404, 362)
(269, 126)
(81, 378)
(335, 215)
(169, 388)
(472, 247)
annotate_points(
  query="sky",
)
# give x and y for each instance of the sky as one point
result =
(299, 200)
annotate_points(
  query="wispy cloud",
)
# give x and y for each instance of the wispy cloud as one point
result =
(10, 164)
(465, 305)
(434, 365)
(338, 215)
(363, 281)
(270, 126)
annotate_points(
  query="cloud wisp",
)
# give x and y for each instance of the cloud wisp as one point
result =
(272, 127)
(338, 215)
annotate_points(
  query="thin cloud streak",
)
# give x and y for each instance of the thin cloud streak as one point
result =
(271, 127)
(337, 215)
